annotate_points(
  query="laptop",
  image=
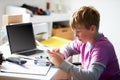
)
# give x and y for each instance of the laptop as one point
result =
(21, 39)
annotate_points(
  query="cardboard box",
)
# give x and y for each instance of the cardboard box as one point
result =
(11, 19)
(63, 32)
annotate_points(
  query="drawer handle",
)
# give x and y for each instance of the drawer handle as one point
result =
(64, 30)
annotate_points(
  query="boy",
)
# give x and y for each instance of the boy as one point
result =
(99, 61)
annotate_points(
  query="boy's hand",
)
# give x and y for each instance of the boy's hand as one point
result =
(55, 57)
(57, 50)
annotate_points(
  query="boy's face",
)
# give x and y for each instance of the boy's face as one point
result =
(83, 34)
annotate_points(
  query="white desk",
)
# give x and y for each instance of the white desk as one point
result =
(53, 74)
(11, 76)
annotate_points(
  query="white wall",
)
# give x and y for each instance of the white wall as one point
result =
(110, 18)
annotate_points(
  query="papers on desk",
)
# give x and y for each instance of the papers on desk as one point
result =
(28, 68)
(55, 42)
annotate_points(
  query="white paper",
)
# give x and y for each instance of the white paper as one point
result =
(28, 68)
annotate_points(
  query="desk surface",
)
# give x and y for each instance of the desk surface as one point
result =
(49, 76)
(10, 76)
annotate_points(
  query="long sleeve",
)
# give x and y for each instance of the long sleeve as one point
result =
(70, 49)
(93, 73)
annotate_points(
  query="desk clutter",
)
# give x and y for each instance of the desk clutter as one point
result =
(16, 60)
(20, 65)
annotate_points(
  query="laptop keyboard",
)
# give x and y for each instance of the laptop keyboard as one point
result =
(31, 52)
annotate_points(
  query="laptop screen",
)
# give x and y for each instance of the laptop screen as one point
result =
(21, 37)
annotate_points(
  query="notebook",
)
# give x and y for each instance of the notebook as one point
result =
(21, 39)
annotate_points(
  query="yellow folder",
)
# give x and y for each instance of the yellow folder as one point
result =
(55, 42)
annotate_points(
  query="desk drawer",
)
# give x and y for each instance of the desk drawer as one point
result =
(63, 32)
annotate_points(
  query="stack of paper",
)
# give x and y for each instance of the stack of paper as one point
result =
(55, 41)
(28, 68)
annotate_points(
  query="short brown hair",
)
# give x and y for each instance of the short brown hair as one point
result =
(86, 16)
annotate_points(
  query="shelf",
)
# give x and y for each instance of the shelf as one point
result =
(54, 17)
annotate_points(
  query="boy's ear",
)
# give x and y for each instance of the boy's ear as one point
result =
(93, 28)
